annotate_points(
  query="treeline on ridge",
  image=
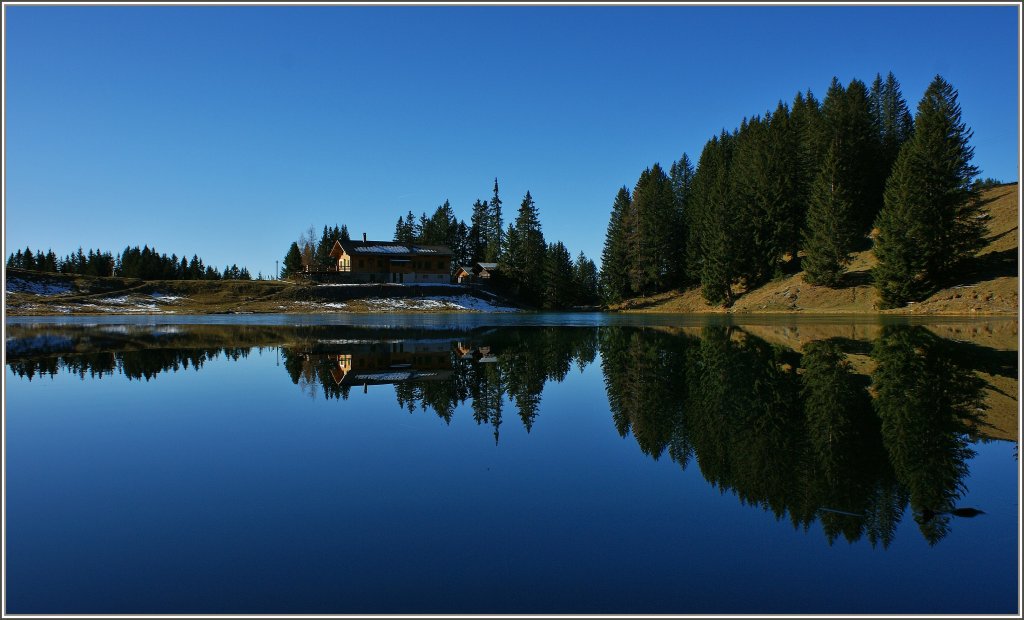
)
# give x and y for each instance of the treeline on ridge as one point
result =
(802, 187)
(145, 263)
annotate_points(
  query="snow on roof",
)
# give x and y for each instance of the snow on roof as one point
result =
(392, 247)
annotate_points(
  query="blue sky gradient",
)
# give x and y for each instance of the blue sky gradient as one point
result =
(225, 131)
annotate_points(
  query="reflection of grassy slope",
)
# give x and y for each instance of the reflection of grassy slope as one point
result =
(988, 284)
(30, 341)
(989, 348)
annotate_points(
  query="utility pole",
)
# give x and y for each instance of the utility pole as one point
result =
(277, 271)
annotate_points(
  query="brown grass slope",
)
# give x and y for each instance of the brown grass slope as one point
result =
(989, 284)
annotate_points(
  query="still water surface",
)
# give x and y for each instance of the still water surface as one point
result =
(504, 464)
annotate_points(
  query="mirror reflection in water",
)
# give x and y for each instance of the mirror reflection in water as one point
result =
(858, 434)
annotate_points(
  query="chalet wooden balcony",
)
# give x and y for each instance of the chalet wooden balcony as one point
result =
(329, 269)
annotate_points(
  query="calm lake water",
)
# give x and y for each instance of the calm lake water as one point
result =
(503, 463)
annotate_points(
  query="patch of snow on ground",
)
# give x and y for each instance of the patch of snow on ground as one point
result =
(166, 298)
(325, 304)
(17, 285)
(462, 302)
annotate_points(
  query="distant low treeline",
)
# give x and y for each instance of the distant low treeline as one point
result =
(145, 263)
(537, 272)
(801, 187)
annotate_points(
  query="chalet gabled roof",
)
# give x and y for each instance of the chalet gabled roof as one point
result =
(488, 266)
(380, 248)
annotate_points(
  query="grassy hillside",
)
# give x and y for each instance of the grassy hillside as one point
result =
(989, 284)
(34, 293)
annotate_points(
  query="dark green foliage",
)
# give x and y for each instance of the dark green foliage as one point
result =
(715, 224)
(402, 233)
(97, 264)
(524, 254)
(649, 232)
(615, 257)
(495, 228)
(807, 124)
(930, 223)
(145, 263)
(928, 403)
(986, 183)
(893, 122)
(681, 176)
(585, 282)
(763, 177)
(292, 261)
(849, 123)
(559, 285)
(831, 229)
(849, 463)
(479, 230)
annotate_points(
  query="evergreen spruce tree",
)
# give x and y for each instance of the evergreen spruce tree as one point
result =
(343, 233)
(400, 230)
(558, 292)
(714, 222)
(681, 176)
(585, 281)
(895, 122)
(650, 233)
(29, 260)
(615, 257)
(526, 252)
(893, 125)
(292, 262)
(764, 175)
(930, 223)
(806, 123)
(848, 121)
(460, 247)
(479, 227)
(323, 248)
(831, 229)
(495, 226)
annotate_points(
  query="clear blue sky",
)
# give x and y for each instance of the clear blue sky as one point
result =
(225, 131)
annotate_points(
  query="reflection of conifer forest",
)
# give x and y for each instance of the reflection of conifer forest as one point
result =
(803, 435)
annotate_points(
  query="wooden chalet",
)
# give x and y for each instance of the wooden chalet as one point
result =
(484, 270)
(464, 274)
(391, 261)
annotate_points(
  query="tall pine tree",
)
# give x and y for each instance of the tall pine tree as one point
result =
(615, 257)
(649, 236)
(495, 230)
(524, 256)
(831, 229)
(930, 222)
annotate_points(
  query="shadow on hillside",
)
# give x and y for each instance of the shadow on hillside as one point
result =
(852, 279)
(989, 266)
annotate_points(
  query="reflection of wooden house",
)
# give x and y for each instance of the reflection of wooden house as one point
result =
(391, 261)
(486, 357)
(382, 363)
(464, 350)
